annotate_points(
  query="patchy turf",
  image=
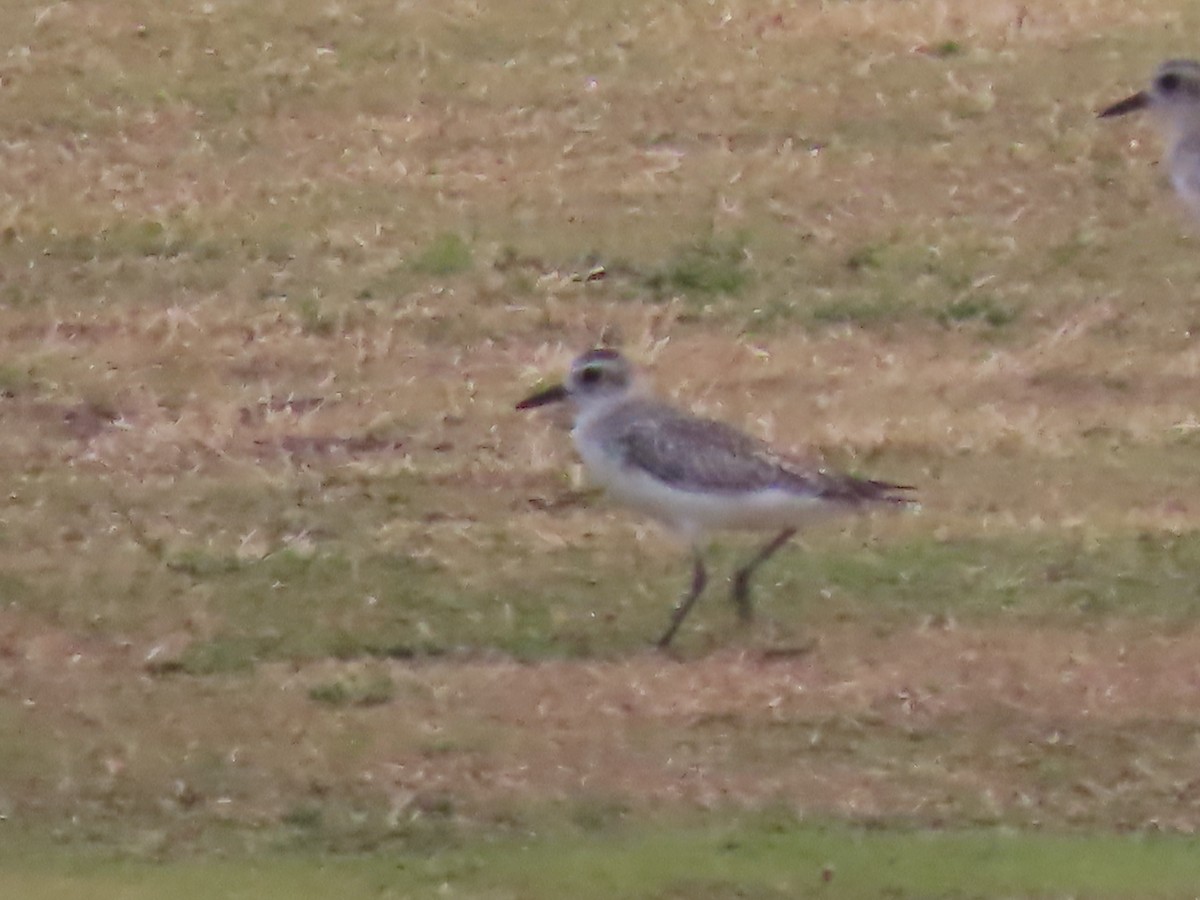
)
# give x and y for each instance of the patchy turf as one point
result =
(278, 557)
(934, 724)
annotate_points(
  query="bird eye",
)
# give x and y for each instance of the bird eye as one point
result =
(590, 375)
(1168, 83)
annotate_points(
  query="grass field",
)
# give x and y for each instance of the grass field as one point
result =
(293, 602)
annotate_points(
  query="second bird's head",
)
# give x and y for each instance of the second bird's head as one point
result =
(1175, 88)
(598, 374)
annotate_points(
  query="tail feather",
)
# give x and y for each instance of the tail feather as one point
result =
(855, 491)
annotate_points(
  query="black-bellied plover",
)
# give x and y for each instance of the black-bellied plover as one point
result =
(1174, 97)
(696, 475)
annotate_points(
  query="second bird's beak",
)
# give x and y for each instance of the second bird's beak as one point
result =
(1140, 100)
(550, 395)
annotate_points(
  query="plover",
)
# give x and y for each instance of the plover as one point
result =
(1174, 97)
(696, 475)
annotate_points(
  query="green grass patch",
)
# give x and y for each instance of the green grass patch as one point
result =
(704, 268)
(136, 238)
(599, 602)
(981, 309)
(313, 315)
(447, 254)
(343, 597)
(733, 860)
(1064, 580)
(227, 654)
(903, 280)
(369, 688)
(947, 48)
(855, 308)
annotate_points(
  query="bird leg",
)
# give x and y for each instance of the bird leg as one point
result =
(741, 578)
(699, 579)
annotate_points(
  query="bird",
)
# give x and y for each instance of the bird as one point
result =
(696, 475)
(1174, 97)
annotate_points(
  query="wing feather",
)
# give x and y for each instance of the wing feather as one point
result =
(698, 454)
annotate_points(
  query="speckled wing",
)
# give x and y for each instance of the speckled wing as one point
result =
(704, 455)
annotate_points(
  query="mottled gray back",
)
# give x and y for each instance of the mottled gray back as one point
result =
(705, 455)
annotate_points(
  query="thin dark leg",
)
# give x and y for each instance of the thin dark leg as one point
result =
(741, 578)
(699, 579)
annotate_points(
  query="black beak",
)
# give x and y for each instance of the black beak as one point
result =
(1140, 100)
(541, 398)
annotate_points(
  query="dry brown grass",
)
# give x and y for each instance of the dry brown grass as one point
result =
(249, 396)
(932, 725)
